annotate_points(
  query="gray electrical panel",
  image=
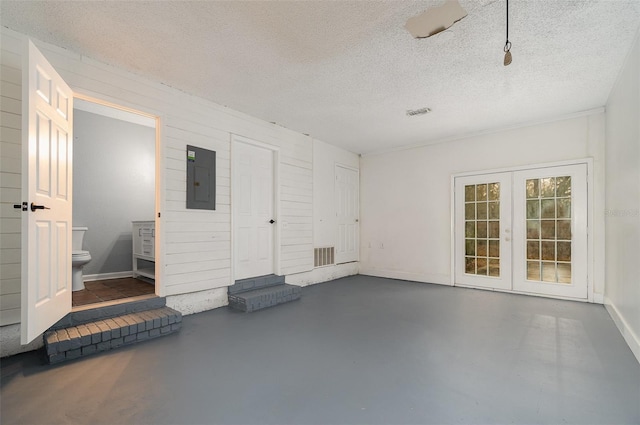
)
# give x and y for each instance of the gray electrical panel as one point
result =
(201, 178)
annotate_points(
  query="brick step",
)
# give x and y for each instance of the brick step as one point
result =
(106, 334)
(252, 283)
(92, 314)
(264, 297)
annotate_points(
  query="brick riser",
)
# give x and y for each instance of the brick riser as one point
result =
(265, 297)
(109, 333)
(94, 314)
(254, 283)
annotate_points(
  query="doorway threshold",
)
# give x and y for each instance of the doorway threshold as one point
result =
(119, 301)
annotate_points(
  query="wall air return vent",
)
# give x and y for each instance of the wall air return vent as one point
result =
(323, 256)
(421, 111)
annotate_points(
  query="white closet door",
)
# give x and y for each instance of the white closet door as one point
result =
(253, 209)
(347, 213)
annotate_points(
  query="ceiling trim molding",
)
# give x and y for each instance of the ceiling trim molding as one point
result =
(564, 117)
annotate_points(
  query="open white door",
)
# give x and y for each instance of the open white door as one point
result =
(47, 105)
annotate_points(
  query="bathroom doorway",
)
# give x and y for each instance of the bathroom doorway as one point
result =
(114, 185)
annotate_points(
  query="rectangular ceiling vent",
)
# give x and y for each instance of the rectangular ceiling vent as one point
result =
(421, 111)
(323, 256)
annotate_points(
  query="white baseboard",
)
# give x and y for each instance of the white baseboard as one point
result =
(598, 298)
(10, 341)
(323, 274)
(438, 279)
(196, 302)
(623, 326)
(106, 276)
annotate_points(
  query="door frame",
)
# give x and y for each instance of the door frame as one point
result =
(591, 269)
(32, 52)
(160, 290)
(275, 150)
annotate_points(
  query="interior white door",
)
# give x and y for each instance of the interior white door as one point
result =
(550, 231)
(483, 230)
(347, 214)
(47, 186)
(253, 209)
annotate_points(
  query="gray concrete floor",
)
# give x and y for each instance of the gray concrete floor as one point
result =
(358, 350)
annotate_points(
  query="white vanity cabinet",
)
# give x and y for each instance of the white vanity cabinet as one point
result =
(144, 242)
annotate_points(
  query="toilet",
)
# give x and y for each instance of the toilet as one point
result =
(78, 258)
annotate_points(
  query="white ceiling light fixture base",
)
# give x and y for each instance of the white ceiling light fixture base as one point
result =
(435, 20)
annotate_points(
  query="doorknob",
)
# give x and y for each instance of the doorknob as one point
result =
(38, 207)
(272, 221)
(22, 206)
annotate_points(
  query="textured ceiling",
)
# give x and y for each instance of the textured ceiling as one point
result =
(345, 72)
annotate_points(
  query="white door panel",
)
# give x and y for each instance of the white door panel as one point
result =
(46, 232)
(347, 214)
(550, 256)
(253, 174)
(483, 230)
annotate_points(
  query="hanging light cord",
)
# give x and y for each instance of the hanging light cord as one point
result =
(507, 44)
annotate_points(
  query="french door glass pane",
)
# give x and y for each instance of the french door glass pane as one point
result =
(548, 225)
(482, 229)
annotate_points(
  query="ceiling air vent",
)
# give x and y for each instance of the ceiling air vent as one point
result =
(421, 111)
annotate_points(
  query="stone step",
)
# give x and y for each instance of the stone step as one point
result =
(66, 343)
(264, 297)
(252, 283)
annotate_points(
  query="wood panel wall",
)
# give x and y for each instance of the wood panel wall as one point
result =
(195, 253)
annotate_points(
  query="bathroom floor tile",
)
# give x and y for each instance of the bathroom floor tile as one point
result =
(113, 289)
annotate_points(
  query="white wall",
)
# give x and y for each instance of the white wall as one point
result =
(406, 195)
(622, 292)
(195, 250)
(325, 159)
(10, 188)
(114, 184)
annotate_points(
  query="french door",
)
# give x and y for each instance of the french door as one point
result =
(523, 231)
(483, 230)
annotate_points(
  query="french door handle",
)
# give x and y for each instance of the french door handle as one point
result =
(22, 206)
(38, 207)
